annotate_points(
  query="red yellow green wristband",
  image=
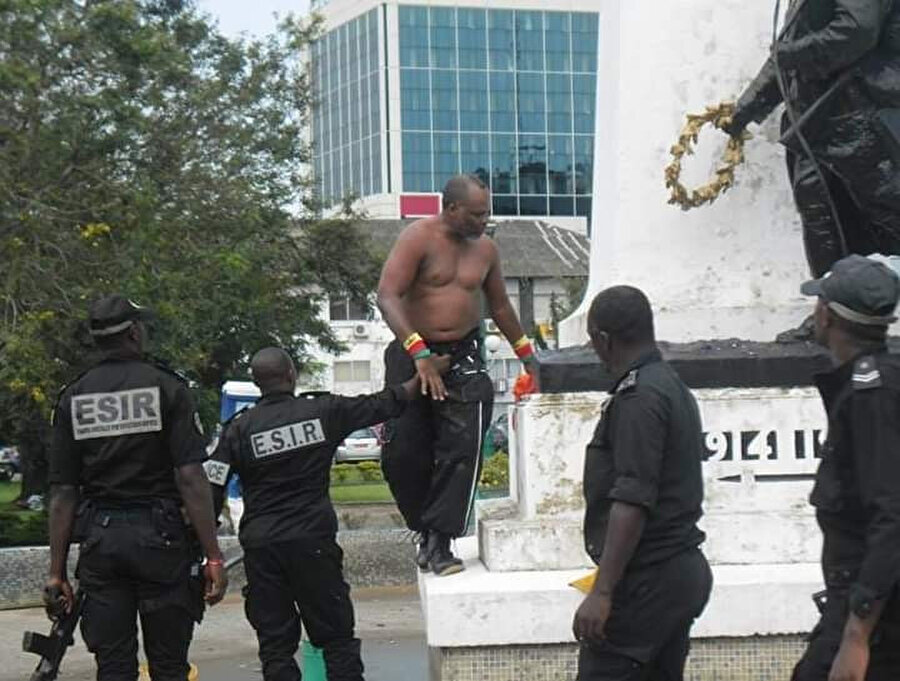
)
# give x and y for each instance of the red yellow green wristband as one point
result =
(523, 349)
(415, 346)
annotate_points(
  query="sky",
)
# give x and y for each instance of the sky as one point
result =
(253, 17)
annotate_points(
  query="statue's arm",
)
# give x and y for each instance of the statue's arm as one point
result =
(853, 32)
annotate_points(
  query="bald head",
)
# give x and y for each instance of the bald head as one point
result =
(273, 370)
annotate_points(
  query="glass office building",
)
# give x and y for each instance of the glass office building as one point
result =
(504, 93)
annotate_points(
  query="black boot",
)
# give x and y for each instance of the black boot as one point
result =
(441, 561)
(422, 552)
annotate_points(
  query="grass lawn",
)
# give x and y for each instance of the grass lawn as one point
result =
(369, 493)
(9, 491)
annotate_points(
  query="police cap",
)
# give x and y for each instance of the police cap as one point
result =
(858, 289)
(113, 314)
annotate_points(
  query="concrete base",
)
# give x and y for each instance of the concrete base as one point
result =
(483, 608)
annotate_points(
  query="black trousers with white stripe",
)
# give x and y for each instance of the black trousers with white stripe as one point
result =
(432, 454)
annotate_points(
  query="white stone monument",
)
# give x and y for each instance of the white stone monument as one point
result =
(731, 270)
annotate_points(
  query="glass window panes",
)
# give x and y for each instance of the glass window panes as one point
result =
(352, 372)
(417, 162)
(443, 37)
(583, 97)
(531, 102)
(473, 101)
(475, 156)
(556, 41)
(348, 309)
(505, 165)
(532, 205)
(529, 41)
(444, 103)
(505, 205)
(562, 205)
(415, 99)
(559, 102)
(501, 40)
(584, 42)
(446, 158)
(583, 206)
(584, 163)
(413, 35)
(562, 180)
(503, 101)
(532, 164)
(472, 25)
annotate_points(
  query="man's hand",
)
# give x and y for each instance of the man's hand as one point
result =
(591, 616)
(531, 368)
(739, 122)
(851, 661)
(216, 582)
(429, 372)
(59, 599)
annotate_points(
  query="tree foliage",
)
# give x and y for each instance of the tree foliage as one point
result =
(142, 152)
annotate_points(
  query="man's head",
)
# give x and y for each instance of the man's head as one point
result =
(856, 301)
(620, 324)
(117, 323)
(466, 205)
(273, 371)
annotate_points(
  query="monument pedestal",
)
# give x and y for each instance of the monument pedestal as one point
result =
(509, 615)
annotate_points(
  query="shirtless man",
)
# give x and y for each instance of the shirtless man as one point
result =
(430, 296)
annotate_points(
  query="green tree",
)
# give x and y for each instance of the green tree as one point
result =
(142, 152)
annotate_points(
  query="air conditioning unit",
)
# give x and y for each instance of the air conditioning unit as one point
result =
(361, 331)
(491, 326)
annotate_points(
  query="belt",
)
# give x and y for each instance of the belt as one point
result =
(105, 516)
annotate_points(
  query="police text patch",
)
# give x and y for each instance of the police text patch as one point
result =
(216, 472)
(286, 438)
(127, 412)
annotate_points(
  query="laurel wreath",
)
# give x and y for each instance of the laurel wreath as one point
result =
(720, 117)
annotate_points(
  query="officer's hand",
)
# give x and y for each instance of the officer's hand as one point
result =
(216, 582)
(591, 616)
(430, 378)
(531, 368)
(739, 122)
(58, 598)
(851, 662)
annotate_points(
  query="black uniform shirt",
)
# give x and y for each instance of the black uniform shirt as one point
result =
(121, 429)
(857, 489)
(647, 451)
(282, 450)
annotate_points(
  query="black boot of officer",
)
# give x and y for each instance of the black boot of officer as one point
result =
(440, 558)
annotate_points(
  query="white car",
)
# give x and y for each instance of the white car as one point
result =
(360, 445)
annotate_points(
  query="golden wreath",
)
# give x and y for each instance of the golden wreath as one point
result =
(720, 116)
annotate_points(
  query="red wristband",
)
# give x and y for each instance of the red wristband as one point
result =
(215, 561)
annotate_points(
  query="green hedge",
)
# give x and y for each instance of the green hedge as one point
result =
(23, 528)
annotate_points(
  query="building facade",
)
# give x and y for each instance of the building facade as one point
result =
(411, 93)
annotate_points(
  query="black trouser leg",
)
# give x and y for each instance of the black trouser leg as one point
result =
(167, 637)
(407, 456)
(272, 612)
(460, 428)
(109, 630)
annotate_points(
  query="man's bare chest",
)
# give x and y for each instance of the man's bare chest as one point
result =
(460, 268)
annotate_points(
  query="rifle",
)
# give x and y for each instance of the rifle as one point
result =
(52, 648)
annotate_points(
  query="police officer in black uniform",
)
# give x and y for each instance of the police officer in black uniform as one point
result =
(857, 489)
(643, 491)
(282, 450)
(126, 457)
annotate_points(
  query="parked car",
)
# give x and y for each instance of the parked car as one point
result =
(360, 445)
(10, 463)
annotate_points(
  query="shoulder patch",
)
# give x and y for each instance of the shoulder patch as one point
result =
(629, 382)
(216, 472)
(866, 374)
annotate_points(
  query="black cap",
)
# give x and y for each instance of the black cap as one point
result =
(114, 314)
(859, 289)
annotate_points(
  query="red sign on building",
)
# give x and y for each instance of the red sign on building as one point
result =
(419, 205)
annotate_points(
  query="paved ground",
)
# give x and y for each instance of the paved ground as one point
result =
(389, 621)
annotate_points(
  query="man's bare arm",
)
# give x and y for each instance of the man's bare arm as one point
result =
(499, 305)
(397, 277)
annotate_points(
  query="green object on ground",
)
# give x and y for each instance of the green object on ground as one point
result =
(313, 663)
(361, 493)
(9, 491)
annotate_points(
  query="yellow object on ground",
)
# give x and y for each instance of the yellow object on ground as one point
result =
(145, 674)
(586, 583)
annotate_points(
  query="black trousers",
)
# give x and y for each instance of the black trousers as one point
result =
(432, 455)
(296, 583)
(136, 564)
(825, 639)
(648, 631)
